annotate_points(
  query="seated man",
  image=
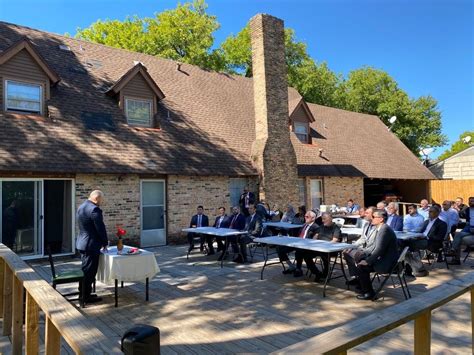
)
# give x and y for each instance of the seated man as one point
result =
(435, 231)
(394, 220)
(254, 229)
(466, 236)
(222, 221)
(424, 208)
(198, 220)
(450, 216)
(351, 207)
(307, 231)
(364, 242)
(236, 221)
(413, 222)
(380, 255)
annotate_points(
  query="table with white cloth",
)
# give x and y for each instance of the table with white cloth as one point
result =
(409, 235)
(223, 233)
(126, 267)
(322, 246)
(282, 225)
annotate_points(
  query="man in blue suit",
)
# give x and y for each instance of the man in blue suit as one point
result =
(198, 220)
(236, 221)
(394, 220)
(92, 237)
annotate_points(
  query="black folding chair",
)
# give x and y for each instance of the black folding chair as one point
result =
(397, 270)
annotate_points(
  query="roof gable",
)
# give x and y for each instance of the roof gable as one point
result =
(138, 69)
(25, 44)
(304, 107)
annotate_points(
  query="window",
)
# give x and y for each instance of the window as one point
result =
(302, 191)
(301, 131)
(138, 112)
(23, 97)
(236, 187)
(316, 193)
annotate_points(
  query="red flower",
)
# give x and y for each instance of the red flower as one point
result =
(120, 232)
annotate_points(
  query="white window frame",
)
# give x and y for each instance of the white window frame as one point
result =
(148, 101)
(306, 126)
(26, 83)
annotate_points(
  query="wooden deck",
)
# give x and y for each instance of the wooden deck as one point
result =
(201, 308)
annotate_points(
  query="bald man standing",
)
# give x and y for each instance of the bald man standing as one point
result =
(92, 237)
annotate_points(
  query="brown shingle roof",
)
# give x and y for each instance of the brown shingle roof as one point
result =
(210, 128)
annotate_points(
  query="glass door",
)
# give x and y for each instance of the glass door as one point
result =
(316, 193)
(153, 213)
(21, 217)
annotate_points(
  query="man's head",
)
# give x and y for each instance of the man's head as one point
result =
(309, 217)
(379, 217)
(381, 205)
(289, 208)
(236, 210)
(251, 209)
(447, 205)
(246, 189)
(459, 201)
(96, 197)
(392, 208)
(350, 203)
(369, 213)
(471, 202)
(412, 210)
(302, 210)
(222, 211)
(434, 211)
(424, 203)
(326, 218)
(200, 210)
(362, 212)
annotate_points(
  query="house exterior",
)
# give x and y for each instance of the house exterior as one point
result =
(459, 166)
(160, 137)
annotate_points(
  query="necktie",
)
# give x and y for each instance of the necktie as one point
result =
(220, 221)
(247, 200)
(233, 220)
(199, 220)
(303, 231)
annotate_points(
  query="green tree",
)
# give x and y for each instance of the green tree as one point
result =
(457, 146)
(184, 33)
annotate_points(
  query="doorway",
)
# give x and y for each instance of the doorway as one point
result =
(153, 213)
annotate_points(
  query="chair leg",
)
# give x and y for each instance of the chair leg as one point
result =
(82, 296)
(406, 285)
(467, 255)
(403, 287)
(380, 287)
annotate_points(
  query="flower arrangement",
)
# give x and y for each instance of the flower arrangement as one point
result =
(120, 232)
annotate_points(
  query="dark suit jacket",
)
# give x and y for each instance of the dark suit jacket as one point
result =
(254, 226)
(312, 231)
(224, 224)
(239, 222)
(384, 255)
(92, 233)
(242, 199)
(396, 223)
(437, 232)
(204, 221)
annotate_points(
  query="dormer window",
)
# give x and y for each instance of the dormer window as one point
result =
(138, 111)
(301, 131)
(23, 97)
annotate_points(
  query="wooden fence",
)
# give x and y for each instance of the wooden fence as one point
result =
(62, 319)
(343, 338)
(441, 190)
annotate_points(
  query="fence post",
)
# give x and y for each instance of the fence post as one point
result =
(423, 334)
(17, 316)
(53, 338)
(7, 301)
(31, 326)
(2, 272)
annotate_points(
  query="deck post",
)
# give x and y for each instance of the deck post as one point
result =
(53, 338)
(2, 272)
(31, 326)
(7, 301)
(17, 316)
(423, 334)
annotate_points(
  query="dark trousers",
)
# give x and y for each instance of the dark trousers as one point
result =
(352, 257)
(244, 240)
(363, 272)
(325, 257)
(191, 237)
(283, 253)
(90, 264)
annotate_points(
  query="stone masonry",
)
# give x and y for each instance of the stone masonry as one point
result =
(337, 190)
(272, 152)
(121, 204)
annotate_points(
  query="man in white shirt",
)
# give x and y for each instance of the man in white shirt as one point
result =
(413, 222)
(424, 208)
(450, 216)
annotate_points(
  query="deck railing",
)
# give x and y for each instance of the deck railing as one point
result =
(62, 319)
(351, 334)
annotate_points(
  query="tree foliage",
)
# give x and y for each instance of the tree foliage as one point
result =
(186, 34)
(458, 146)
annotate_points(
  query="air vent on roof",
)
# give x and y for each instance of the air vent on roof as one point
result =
(94, 63)
(64, 47)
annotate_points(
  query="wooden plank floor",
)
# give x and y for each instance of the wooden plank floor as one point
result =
(201, 308)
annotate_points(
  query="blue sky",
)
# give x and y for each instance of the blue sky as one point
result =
(427, 46)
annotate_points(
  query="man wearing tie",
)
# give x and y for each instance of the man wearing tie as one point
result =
(394, 220)
(237, 221)
(246, 199)
(198, 220)
(222, 221)
(254, 229)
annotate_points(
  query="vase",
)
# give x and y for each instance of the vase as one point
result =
(119, 246)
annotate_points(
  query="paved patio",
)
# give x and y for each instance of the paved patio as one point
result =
(201, 308)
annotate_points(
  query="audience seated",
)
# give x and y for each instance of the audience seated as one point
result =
(198, 220)
(450, 216)
(466, 236)
(222, 221)
(413, 222)
(288, 215)
(236, 221)
(299, 217)
(351, 207)
(424, 209)
(394, 220)
(254, 228)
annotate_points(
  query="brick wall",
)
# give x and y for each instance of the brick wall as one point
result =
(121, 204)
(337, 190)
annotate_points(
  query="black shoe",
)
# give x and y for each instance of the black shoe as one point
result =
(298, 273)
(191, 247)
(93, 299)
(238, 260)
(318, 277)
(366, 296)
(288, 271)
(353, 282)
(422, 273)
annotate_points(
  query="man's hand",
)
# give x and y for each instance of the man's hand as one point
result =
(362, 263)
(104, 249)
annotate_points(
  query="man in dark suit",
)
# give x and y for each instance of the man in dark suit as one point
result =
(198, 220)
(254, 230)
(246, 198)
(435, 230)
(236, 221)
(379, 256)
(222, 221)
(466, 236)
(92, 237)
(394, 220)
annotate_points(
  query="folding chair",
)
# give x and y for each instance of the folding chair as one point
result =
(439, 255)
(339, 221)
(197, 236)
(398, 270)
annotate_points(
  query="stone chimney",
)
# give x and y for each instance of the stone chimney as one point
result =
(272, 151)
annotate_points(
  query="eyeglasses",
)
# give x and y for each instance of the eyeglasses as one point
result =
(307, 216)
(377, 217)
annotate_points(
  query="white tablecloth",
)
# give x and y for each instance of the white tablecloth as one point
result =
(282, 225)
(219, 232)
(306, 244)
(126, 267)
(351, 231)
(409, 235)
